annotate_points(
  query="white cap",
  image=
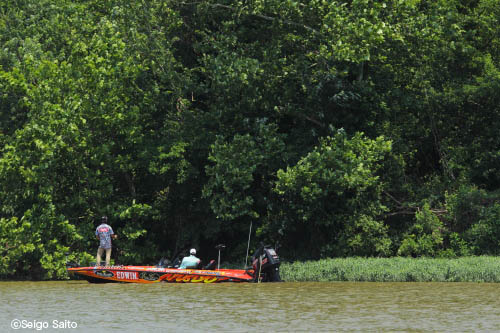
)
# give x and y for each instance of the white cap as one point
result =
(192, 251)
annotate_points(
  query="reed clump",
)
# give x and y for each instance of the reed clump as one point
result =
(396, 269)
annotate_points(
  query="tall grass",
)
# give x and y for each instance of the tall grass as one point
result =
(397, 269)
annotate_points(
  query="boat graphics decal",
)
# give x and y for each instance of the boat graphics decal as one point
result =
(186, 271)
(103, 273)
(149, 276)
(180, 276)
(191, 278)
(127, 275)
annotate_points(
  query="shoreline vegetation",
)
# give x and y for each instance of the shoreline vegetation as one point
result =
(396, 269)
(480, 269)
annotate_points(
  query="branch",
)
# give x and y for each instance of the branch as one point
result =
(410, 210)
(314, 121)
(394, 199)
(130, 184)
(403, 212)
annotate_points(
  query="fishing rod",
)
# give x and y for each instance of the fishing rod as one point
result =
(248, 245)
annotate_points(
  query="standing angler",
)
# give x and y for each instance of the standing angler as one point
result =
(104, 233)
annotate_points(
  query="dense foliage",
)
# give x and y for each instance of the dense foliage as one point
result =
(335, 128)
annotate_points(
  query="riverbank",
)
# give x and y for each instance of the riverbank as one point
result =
(397, 269)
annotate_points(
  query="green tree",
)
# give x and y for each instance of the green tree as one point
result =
(330, 200)
(425, 237)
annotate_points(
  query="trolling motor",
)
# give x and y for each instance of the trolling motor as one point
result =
(71, 264)
(266, 264)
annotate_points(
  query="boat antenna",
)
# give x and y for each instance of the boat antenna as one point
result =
(219, 247)
(248, 246)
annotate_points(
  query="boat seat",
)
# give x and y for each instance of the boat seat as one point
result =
(210, 265)
(163, 263)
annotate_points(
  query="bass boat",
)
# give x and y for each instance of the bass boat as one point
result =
(265, 268)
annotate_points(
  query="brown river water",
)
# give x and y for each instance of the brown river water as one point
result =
(78, 306)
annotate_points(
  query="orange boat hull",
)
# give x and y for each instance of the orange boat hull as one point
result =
(151, 274)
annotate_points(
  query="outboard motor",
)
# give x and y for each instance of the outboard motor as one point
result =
(72, 264)
(266, 264)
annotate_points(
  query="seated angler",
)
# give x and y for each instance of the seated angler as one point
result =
(190, 262)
